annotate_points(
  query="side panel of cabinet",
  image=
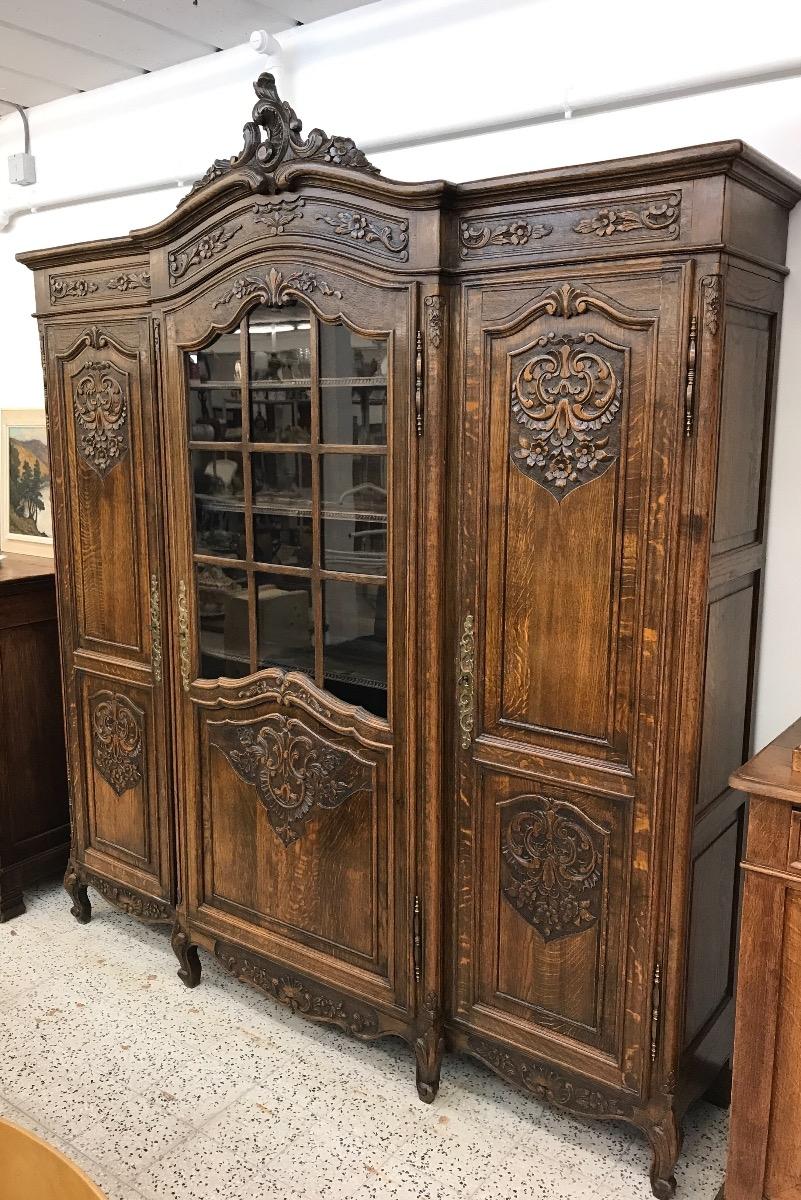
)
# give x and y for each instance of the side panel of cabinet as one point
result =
(573, 417)
(103, 429)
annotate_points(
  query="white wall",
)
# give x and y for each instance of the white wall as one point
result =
(401, 78)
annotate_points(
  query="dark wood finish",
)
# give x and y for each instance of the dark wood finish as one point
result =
(764, 1159)
(34, 809)
(530, 852)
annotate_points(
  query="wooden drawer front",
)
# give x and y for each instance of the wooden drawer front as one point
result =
(105, 442)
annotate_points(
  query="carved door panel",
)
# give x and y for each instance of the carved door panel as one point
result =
(290, 433)
(106, 516)
(571, 456)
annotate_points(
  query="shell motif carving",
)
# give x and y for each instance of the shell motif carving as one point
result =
(566, 402)
(117, 740)
(100, 403)
(295, 771)
(552, 867)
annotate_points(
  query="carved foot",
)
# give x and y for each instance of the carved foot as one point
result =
(76, 890)
(428, 1050)
(187, 956)
(665, 1138)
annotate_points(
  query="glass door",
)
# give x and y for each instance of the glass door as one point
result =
(288, 438)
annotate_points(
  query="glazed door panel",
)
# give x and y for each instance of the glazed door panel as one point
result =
(291, 432)
(571, 453)
(104, 449)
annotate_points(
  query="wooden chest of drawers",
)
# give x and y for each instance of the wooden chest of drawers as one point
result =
(34, 811)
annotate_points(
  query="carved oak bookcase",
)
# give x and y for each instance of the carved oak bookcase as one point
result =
(409, 543)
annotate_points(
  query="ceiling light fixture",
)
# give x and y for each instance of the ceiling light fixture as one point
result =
(21, 167)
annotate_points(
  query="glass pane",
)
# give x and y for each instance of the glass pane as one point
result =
(215, 403)
(219, 503)
(282, 522)
(280, 374)
(223, 613)
(355, 643)
(353, 381)
(285, 620)
(354, 525)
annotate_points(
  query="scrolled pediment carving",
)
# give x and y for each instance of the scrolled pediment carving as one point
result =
(273, 136)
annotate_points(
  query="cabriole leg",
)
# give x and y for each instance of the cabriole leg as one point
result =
(76, 890)
(665, 1138)
(428, 1050)
(187, 956)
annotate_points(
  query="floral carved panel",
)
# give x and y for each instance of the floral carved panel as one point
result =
(100, 404)
(566, 402)
(294, 770)
(552, 866)
(117, 740)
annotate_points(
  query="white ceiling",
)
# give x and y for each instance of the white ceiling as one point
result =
(53, 48)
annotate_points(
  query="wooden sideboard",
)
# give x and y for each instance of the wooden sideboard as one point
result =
(34, 810)
(765, 1142)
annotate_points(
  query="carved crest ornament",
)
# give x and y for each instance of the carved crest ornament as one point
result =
(282, 141)
(101, 413)
(553, 859)
(294, 770)
(117, 740)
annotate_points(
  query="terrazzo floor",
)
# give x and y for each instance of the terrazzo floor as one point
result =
(160, 1093)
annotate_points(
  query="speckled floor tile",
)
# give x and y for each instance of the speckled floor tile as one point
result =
(159, 1093)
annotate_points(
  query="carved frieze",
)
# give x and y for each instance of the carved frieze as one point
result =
(566, 403)
(273, 137)
(100, 404)
(660, 213)
(277, 215)
(78, 287)
(294, 770)
(117, 740)
(201, 250)
(129, 281)
(359, 227)
(275, 287)
(552, 860)
(309, 999)
(128, 901)
(476, 235)
(62, 288)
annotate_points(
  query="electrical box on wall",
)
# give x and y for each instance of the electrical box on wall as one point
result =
(21, 169)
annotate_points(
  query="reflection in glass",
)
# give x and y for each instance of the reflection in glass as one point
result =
(219, 503)
(355, 643)
(223, 615)
(215, 405)
(353, 383)
(280, 374)
(354, 511)
(285, 622)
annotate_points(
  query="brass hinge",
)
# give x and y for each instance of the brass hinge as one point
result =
(417, 939)
(155, 627)
(418, 385)
(43, 355)
(656, 1008)
(157, 339)
(465, 687)
(689, 394)
(183, 636)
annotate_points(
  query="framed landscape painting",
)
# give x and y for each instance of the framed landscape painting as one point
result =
(26, 519)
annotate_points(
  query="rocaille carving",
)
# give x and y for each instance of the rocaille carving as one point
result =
(310, 1000)
(275, 287)
(282, 141)
(117, 740)
(294, 771)
(393, 236)
(712, 297)
(129, 901)
(202, 250)
(552, 869)
(544, 1083)
(434, 306)
(283, 689)
(100, 404)
(566, 401)
(475, 236)
(277, 216)
(661, 214)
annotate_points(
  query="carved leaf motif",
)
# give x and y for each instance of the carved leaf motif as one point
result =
(101, 414)
(128, 281)
(70, 289)
(661, 214)
(552, 867)
(277, 216)
(359, 228)
(283, 141)
(510, 233)
(200, 251)
(544, 1083)
(294, 771)
(434, 306)
(276, 288)
(712, 298)
(566, 402)
(117, 741)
